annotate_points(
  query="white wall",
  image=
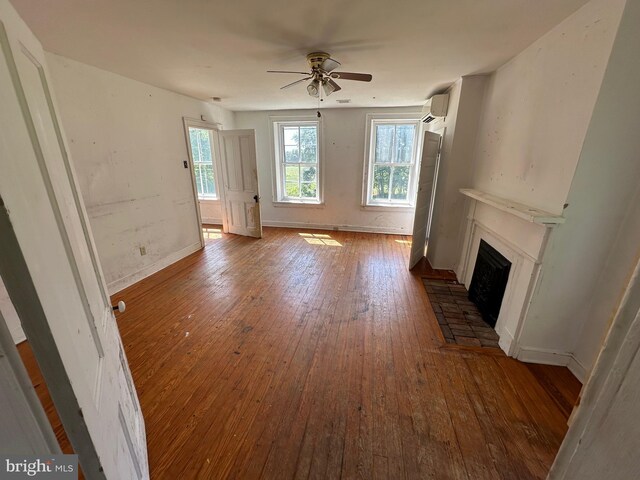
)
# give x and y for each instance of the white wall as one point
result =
(456, 160)
(590, 258)
(538, 107)
(128, 145)
(344, 140)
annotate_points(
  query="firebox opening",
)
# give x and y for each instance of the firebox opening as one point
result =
(489, 282)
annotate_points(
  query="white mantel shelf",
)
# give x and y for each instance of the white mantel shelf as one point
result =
(524, 212)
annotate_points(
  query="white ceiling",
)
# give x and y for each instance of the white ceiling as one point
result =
(222, 48)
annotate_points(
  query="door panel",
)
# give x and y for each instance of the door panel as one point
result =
(58, 264)
(424, 200)
(240, 187)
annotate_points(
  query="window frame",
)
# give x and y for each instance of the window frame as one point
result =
(278, 124)
(211, 128)
(373, 121)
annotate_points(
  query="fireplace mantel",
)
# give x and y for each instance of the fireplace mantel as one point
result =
(524, 212)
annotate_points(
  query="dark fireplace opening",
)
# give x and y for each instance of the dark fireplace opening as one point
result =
(489, 282)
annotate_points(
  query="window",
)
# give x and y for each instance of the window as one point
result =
(200, 140)
(297, 154)
(391, 170)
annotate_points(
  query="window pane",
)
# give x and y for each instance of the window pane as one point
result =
(404, 143)
(308, 154)
(200, 145)
(309, 190)
(209, 184)
(381, 176)
(400, 183)
(196, 172)
(384, 143)
(309, 174)
(308, 136)
(291, 136)
(292, 173)
(292, 190)
(291, 155)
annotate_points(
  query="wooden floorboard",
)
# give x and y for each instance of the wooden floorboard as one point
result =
(319, 356)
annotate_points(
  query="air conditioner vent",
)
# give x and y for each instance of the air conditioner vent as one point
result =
(436, 107)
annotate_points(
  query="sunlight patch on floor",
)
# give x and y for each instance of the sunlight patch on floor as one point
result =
(404, 242)
(320, 239)
(211, 233)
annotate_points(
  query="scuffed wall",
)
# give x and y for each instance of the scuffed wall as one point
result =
(538, 107)
(127, 144)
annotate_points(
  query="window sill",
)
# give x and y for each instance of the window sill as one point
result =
(208, 200)
(388, 208)
(298, 204)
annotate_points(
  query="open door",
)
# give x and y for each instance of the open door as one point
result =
(424, 200)
(241, 213)
(49, 266)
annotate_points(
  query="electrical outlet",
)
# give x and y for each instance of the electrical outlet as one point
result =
(143, 251)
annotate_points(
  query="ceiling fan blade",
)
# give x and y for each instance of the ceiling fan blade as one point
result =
(286, 71)
(296, 82)
(360, 77)
(335, 86)
(329, 65)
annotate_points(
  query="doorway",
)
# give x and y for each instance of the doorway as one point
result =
(205, 171)
(225, 178)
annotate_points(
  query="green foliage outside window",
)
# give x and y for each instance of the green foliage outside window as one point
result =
(200, 140)
(300, 161)
(392, 162)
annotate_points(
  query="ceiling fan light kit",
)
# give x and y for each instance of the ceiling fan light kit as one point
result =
(322, 74)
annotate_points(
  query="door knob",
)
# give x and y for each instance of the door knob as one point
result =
(256, 198)
(120, 307)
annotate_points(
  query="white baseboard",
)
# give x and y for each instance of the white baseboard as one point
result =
(344, 228)
(505, 341)
(578, 369)
(124, 282)
(211, 221)
(552, 357)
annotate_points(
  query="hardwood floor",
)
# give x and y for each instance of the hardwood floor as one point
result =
(317, 355)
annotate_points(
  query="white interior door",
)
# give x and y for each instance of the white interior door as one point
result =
(51, 271)
(424, 200)
(240, 182)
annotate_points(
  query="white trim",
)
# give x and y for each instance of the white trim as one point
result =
(124, 282)
(387, 118)
(387, 208)
(298, 204)
(211, 221)
(578, 369)
(552, 357)
(343, 228)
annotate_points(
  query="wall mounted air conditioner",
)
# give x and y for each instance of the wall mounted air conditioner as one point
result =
(436, 107)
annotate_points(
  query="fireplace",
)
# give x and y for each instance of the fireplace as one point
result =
(489, 282)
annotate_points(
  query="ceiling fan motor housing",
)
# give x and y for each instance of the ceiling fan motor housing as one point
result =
(316, 59)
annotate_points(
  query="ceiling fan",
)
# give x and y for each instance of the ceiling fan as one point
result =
(322, 75)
